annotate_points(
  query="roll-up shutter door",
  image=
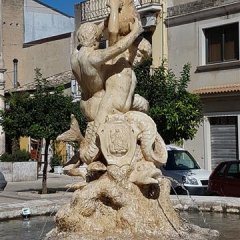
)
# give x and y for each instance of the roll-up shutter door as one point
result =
(224, 141)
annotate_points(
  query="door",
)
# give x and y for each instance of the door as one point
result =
(224, 140)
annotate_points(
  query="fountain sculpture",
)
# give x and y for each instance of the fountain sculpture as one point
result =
(126, 196)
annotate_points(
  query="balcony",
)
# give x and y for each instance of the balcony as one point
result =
(96, 10)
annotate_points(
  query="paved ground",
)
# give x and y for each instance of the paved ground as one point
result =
(18, 195)
(24, 194)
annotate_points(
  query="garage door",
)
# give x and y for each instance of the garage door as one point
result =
(224, 141)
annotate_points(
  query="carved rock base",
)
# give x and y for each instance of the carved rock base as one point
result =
(107, 209)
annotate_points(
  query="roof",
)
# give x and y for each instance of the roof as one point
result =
(55, 80)
(218, 89)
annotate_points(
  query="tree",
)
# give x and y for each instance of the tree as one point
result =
(176, 112)
(44, 115)
(15, 118)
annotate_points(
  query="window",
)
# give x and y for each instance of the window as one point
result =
(221, 170)
(233, 171)
(222, 43)
(180, 160)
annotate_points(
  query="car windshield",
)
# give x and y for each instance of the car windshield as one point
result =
(180, 160)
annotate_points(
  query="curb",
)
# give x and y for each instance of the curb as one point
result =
(207, 204)
(180, 203)
(37, 207)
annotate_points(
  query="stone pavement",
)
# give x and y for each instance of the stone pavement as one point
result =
(18, 195)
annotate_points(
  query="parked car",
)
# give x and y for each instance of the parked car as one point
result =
(3, 182)
(184, 171)
(225, 179)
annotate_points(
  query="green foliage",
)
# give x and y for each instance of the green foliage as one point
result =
(6, 157)
(17, 156)
(15, 119)
(44, 115)
(176, 112)
(56, 160)
(50, 110)
(79, 116)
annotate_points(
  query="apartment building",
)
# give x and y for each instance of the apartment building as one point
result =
(34, 35)
(205, 33)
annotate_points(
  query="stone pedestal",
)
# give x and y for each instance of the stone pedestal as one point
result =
(106, 209)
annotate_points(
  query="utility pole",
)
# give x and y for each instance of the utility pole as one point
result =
(2, 82)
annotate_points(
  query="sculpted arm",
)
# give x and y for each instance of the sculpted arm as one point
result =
(101, 56)
(113, 23)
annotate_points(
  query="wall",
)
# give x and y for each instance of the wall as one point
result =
(13, 26)
(52, 57)
(42, 22)
(186, 45)
(50, 54)
(178, 2)
(19, 171)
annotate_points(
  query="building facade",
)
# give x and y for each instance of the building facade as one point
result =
(32, 35)
(205, 33)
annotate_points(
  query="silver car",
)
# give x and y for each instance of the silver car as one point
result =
(3, 182)
(184, 172)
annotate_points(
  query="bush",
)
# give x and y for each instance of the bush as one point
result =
(18, 156)
(6, 157)
(56, 160)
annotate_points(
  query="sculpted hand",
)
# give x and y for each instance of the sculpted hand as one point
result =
(136, 26)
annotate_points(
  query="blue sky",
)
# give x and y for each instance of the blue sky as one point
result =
(66, 6)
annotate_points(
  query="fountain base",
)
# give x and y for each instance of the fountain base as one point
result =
(106, 209)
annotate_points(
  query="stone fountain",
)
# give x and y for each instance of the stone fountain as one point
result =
(125, 195)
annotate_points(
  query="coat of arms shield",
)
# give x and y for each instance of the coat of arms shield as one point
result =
(118, 142)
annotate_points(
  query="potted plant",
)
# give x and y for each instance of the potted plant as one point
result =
(56, 164)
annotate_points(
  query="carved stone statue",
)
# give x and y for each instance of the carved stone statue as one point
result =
(125, 196)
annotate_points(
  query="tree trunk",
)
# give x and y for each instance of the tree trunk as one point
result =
(44, 179)
(15, 147)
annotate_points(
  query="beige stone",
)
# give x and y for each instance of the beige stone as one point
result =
(96, 166)
(126, 196)
(73, 134)
(76, 186)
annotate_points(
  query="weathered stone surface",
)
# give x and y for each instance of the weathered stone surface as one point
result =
(105, 209)
(19, 171)
(25, 171)
(7, 169)
(126, 197)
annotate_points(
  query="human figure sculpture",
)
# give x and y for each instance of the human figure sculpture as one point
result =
(107, 79)
(105, 76)
(125, 195)
(91, 69)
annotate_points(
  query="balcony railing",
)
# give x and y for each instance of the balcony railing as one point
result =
(96, 9)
